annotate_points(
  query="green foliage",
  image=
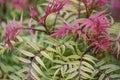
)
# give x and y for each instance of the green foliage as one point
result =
(42, 57)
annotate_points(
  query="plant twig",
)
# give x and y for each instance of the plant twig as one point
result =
(81, 59)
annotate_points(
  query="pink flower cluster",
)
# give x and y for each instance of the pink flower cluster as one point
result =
(95, 25)
(33, 13)
(19, 4)
(66, 28)
(95, 3)
(11, 31)
(1, 1)
(53, 6)
(115, 8)
(101, 42)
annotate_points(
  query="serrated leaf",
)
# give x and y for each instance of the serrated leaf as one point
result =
(24, 70)
(87, 65)
(46, 55)
(85, 75)
(21, 75)
(73, 62)
(63, 48)
(56, 73)
(86, 69)
(70, 70)
(111, 70)
(115, 76)
(55, 67)
(58, 50)
(100, 63)
(50, 49)
(69, 46)
(70, 76)
(62, 71)
(89, 59)
(26, 53)
(108, 66)
(78, 51)
(37, 69)
(14, 77)
(74, 57)
(23, 59)
(95, 73)
(33, 45)
(58, 61)
(101, 77)
(107, 78)
(34, 75)
(40, 62)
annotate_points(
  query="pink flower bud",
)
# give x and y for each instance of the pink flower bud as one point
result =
(33, 13)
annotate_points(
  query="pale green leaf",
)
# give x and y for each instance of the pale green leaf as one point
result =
(33, 45)
(50, 49)
(86, 69)
(55, 73)
(100, 63)
(115, 76)
(34, 75)
(112, 70)
(46, 55)
(72, 75)
(37, 69)
(23, 59)
(87, 65)
(14, 77)
(71, 70)
(74, 57)
(40, 62)
(101, 77)
(85, 75)
(26, 53)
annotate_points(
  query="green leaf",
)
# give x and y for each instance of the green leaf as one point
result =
(115, 76)
(26, 53)
(55, 67)
(109, 66)
(87, 65)
(59, 61)
(24, 70)
(56, 73)
(89, 59)
(40, 62)
(46, 55)
(85, 75)
(69, 46)
(63, 49)
(50, 49)
(101, 77)
(74, 57)
(78, 51)
(72, 75)
(73, 62)
(86, 69)
(37, 69)
(70, 70)
(23, 59)
(33, 45)
(34, 75)
(14, 77)
(111, 70)
(100, 63)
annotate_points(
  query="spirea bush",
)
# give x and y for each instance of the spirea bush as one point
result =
(62, 40)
